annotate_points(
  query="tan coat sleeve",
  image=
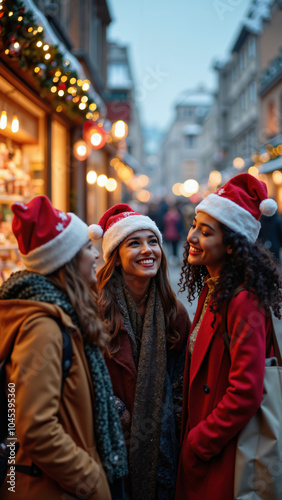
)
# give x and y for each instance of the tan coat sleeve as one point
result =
(36, 372)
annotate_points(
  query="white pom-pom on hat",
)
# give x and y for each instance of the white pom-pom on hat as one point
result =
(268, 207)
(95, 232)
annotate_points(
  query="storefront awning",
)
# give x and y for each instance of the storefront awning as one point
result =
(271, 165)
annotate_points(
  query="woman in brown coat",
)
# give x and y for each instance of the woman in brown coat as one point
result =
(70, 439)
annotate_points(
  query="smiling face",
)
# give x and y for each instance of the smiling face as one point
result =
(87, 263)
(139, 255)
(206, 244)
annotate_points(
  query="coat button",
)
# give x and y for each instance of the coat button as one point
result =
(206, 389)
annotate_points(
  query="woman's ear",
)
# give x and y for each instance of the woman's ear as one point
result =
(229, 249)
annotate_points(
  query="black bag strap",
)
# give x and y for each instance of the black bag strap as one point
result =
(225, 333)
(67, 354)
(33, 470)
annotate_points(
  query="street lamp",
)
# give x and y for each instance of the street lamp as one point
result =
(119, 130)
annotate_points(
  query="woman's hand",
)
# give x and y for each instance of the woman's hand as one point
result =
(125, 420)
(124, 415)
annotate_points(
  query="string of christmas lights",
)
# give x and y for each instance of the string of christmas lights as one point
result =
(23, 40)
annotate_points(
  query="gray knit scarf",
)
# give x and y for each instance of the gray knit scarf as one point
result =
(153, 448)
(108, 432)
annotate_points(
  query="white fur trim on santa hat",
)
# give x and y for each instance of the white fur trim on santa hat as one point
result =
(231, 214)
(123, 228)
(58, 251)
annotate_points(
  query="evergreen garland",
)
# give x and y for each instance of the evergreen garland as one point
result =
(23, 40)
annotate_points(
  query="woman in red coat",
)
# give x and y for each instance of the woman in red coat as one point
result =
(223, 389)
(149, 330)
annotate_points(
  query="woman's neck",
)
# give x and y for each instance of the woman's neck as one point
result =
(139, 289)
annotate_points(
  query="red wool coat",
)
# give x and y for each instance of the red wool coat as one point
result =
(122, 368)
(221, 393)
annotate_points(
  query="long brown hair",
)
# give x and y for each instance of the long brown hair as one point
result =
(84, 301)
(109, 309)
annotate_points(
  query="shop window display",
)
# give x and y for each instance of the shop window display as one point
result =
(15, 185)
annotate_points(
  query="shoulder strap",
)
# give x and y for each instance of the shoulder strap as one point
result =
(224, 318)
(67, 352)
(225, 334)
(33, 470)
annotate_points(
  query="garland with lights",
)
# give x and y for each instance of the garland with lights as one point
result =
(22, 40)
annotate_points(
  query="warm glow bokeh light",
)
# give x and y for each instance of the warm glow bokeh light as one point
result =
(238, 162)
(277, 177)
(176, 189)
(102, 180)
(143, 196)
(81, 150)
(253, 171)
(190, 187)
(111, 184)
(215, 178)
(120, 130)
(91, 177)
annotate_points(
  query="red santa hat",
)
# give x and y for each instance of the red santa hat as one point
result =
(47, 238)
(116, 224)
(239, 205)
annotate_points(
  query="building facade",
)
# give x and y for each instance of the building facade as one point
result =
(180, 152)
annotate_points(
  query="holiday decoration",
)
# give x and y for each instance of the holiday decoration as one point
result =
(81, 150)
(94, 134)
(22, 40)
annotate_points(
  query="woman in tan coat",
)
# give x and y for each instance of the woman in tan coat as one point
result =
(70, 438)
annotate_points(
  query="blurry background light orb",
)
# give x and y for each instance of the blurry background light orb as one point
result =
(81, 150)
(97, 139)
(191, 186)
(215, 178)
(176, 189)
(277, 177)
(143, 195)
(91, 177)
(119, 130)
(238, 162)
(143, 180)
(254, 171)
(102, 180)
(111, 184)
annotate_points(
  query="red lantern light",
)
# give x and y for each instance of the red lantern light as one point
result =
(94, 134)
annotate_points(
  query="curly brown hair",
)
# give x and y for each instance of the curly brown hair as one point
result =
(109, 309)
(84, 301)
(250, 264)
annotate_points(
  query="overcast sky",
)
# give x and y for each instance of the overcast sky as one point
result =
(172, 47)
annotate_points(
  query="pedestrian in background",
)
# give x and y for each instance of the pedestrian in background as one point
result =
(271, 234)
(70, 439)
(149, 329)
(223, 387)
(173, 229)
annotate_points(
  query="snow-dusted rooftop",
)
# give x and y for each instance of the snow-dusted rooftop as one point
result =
(196, 98)
(192, 129)
(259, 12)
(118, 76)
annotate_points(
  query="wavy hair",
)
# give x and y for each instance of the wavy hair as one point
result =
(110, 312)
(84, 301)
(250, 264)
